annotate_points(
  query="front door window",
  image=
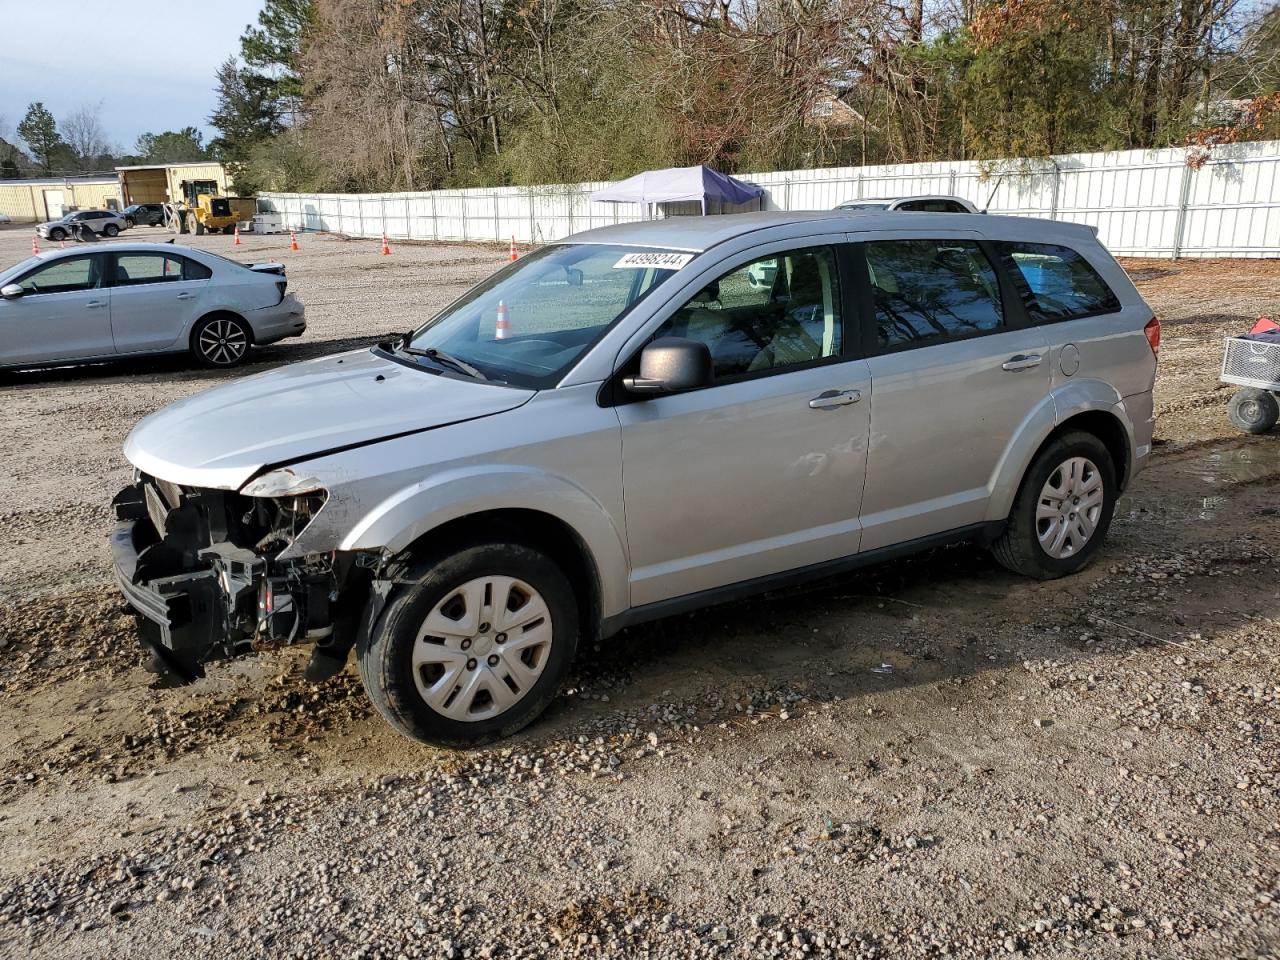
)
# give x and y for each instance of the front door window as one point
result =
(778, 311)
(63, 276)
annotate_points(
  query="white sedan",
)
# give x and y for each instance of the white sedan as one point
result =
(133, 299)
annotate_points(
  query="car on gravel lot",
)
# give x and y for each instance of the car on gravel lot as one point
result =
(916, 204)
(144, 214)
(102, 222)
(621, 426)
(131, 299)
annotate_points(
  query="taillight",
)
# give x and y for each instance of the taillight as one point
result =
(282, 285)
(1152, 330)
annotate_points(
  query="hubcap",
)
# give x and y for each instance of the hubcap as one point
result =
(1069, 507)
(482, 648)
(223, 342)
(1251, 411)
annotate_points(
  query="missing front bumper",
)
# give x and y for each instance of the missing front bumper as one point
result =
(198, 601)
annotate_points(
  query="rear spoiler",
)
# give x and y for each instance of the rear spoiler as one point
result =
(276, 268)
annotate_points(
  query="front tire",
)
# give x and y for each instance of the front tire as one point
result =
(130, 222)
(1063, 509)
(475, 648)
(220, 341)
(57, 233)
(111, 230)
(1252, 410)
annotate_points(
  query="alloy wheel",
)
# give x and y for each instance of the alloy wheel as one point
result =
(1069, 507)
(482, 648)
(223, 342)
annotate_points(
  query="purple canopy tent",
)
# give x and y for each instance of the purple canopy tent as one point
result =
(679, 184)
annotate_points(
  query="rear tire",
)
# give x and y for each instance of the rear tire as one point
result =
(1063, 509)
(1253, 410)
(436, 638)
(220, 341)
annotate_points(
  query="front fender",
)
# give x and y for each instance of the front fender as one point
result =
(405, 516)
(1068, 400)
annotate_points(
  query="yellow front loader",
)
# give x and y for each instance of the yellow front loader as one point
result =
(202, 210)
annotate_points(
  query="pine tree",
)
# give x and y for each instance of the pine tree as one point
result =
(40, 133)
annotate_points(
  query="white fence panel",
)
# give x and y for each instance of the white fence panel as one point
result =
(1142, 202)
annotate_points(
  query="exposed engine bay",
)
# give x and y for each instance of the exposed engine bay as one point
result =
(201, 569)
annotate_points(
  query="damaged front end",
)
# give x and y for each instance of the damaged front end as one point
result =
(204, 572)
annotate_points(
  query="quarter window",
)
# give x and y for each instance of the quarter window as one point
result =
(774, 312)
(63, 276)
(1058, 283)
(927, 291)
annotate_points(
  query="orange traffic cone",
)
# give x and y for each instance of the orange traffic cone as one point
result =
(237, 243)
(386, 247)
(514, 255)
(293, 240)
(502, 329)
(35, 247)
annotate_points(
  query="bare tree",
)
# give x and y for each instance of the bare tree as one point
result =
(82, 131)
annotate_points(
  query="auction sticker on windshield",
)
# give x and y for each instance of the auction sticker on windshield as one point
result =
(658, 259)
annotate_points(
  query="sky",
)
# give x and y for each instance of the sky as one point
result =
(150, 63)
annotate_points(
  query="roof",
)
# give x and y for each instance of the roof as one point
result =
(703, 233)
(675, 184)
(134, 246)
(58, 181)
(172, 166)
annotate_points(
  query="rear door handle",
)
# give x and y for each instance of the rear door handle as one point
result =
(185, 296)
(1021, 361)
(94, 304)
(833, 398)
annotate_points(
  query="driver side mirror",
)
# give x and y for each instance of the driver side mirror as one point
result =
(670, 365)
(11, 291)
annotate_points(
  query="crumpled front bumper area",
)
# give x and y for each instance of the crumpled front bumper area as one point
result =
(185, 613)
(200, 596)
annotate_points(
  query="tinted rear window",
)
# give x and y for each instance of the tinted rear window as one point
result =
(926, 291)
(1057, 283)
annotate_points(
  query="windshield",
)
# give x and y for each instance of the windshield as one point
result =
(528, 324)
(864, 205)
(19, 268)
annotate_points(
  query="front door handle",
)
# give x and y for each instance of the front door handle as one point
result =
(94, 304)
(833, 398)
(1021, 361)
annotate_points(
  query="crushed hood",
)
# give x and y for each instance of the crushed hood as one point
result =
(224, 436)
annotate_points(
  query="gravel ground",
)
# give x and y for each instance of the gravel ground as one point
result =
(932, 758)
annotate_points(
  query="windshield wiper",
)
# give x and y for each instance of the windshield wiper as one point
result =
(447, 359)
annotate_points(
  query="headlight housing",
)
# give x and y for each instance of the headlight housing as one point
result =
(283, 482)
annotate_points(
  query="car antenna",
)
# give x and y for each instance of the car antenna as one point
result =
(992, 195)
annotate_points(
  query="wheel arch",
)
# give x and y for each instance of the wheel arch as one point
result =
(1108, 428)
(216, 313)
(531, 528)
(530, 501)
(1093, 408)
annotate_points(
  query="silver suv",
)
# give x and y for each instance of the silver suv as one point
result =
(622, 426)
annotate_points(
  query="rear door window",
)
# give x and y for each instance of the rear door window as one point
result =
(929, 291)
(139, 268)
(1057, 283)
